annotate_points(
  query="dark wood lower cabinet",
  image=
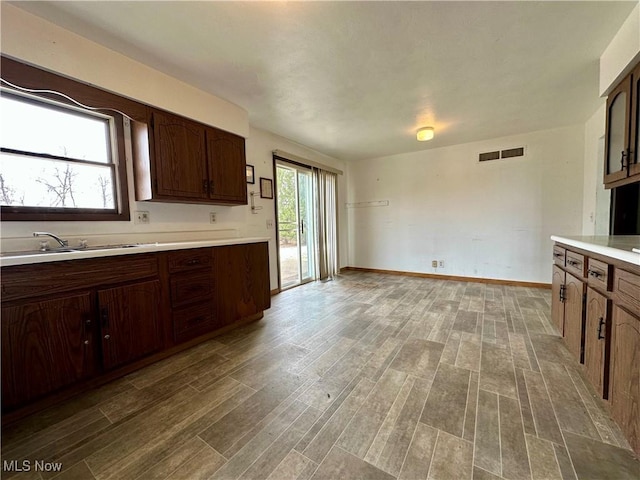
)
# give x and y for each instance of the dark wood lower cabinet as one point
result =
(597, 331)
(66, 324)
(129, 322)
(604, 331)
(624, 393)
(243, 280)
(573, 319)
(557, 298)
(46, 345)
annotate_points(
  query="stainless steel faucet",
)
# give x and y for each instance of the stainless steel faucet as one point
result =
(63, 243)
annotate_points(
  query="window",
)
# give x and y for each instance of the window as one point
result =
(59, 161)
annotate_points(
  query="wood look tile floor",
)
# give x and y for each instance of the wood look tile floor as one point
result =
(369, 376)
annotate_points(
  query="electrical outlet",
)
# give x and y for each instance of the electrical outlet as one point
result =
(212, 217)
(441, 264)
(142, 217)
(434, 263)
(269, 223)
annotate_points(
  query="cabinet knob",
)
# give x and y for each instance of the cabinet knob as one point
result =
(107, 336)
(205, 186)
(86, 342)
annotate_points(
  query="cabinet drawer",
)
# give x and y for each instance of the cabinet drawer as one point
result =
(23, 281)
(599, 274)
(575, 263)
(626, 288)
(189, 287)
(190, 259)
(559, 255)
(193, 321)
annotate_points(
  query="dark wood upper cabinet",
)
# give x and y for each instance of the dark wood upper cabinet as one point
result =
(621, 163)
(180, 157)
(46, 345)
(178, 160)
(227, 166)
(129, 322)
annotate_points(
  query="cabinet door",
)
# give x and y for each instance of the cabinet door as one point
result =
(634, 140)
(46, 345)
(242, 280)
(180, 157)
(129, 322)
(557, 300)
(596, 337)
(617, 133)
(624, 393)
(227, 167)
(573, 320)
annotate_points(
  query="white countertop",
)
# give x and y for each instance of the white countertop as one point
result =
(621, 247)
(29, 258)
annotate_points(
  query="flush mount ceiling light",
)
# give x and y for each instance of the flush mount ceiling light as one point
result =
(424, 134)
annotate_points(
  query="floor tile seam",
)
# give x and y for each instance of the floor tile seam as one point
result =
(555, 415)
(524, 433)
(12, 450)
(433, 454)
(288, 401)
(344, 429)
(154, 442)
(272, 442)
(407, 379)
(584, 402)
(415, 429)
(500, 436)
(185, 461)
(59, 475)
(174, 372)
(334, 363)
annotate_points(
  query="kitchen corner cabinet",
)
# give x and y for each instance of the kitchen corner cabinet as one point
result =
(622, 138)
(180, 160)
(604, 333)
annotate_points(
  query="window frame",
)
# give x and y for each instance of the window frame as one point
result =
(36, 79)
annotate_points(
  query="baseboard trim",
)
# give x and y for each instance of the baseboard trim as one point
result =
(275, 292)
(491, 281)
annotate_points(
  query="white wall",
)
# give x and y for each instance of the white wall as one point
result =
(33, 40)
(621, 54)
(490, 220)
(595, 207)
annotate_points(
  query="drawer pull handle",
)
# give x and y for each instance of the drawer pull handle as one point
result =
(573, 263)
(600, 325)
(193, 261)
(557, 255)
(595, 273)
(107, 336)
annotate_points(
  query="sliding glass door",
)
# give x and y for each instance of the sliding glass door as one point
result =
(296, 224)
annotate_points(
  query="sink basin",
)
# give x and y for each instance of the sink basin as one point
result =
(73, 249)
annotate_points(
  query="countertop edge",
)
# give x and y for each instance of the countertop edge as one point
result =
(617, 253)
(146, 248)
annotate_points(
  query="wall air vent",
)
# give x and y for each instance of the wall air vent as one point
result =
(498, 154)
(513, 152)
(485, 157)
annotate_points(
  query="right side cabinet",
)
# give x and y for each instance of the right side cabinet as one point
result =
(605, 335)
(621, 163)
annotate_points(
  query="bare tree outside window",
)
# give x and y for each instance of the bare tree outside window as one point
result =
(104, 183)
(60, 184)
(8, 194)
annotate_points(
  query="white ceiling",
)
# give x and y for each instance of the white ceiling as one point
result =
(356, 79)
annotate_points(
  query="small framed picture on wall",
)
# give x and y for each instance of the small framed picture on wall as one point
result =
(266, 188)
(250, 175)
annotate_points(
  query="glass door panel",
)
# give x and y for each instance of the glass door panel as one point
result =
(306, 230)
(296, 224)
